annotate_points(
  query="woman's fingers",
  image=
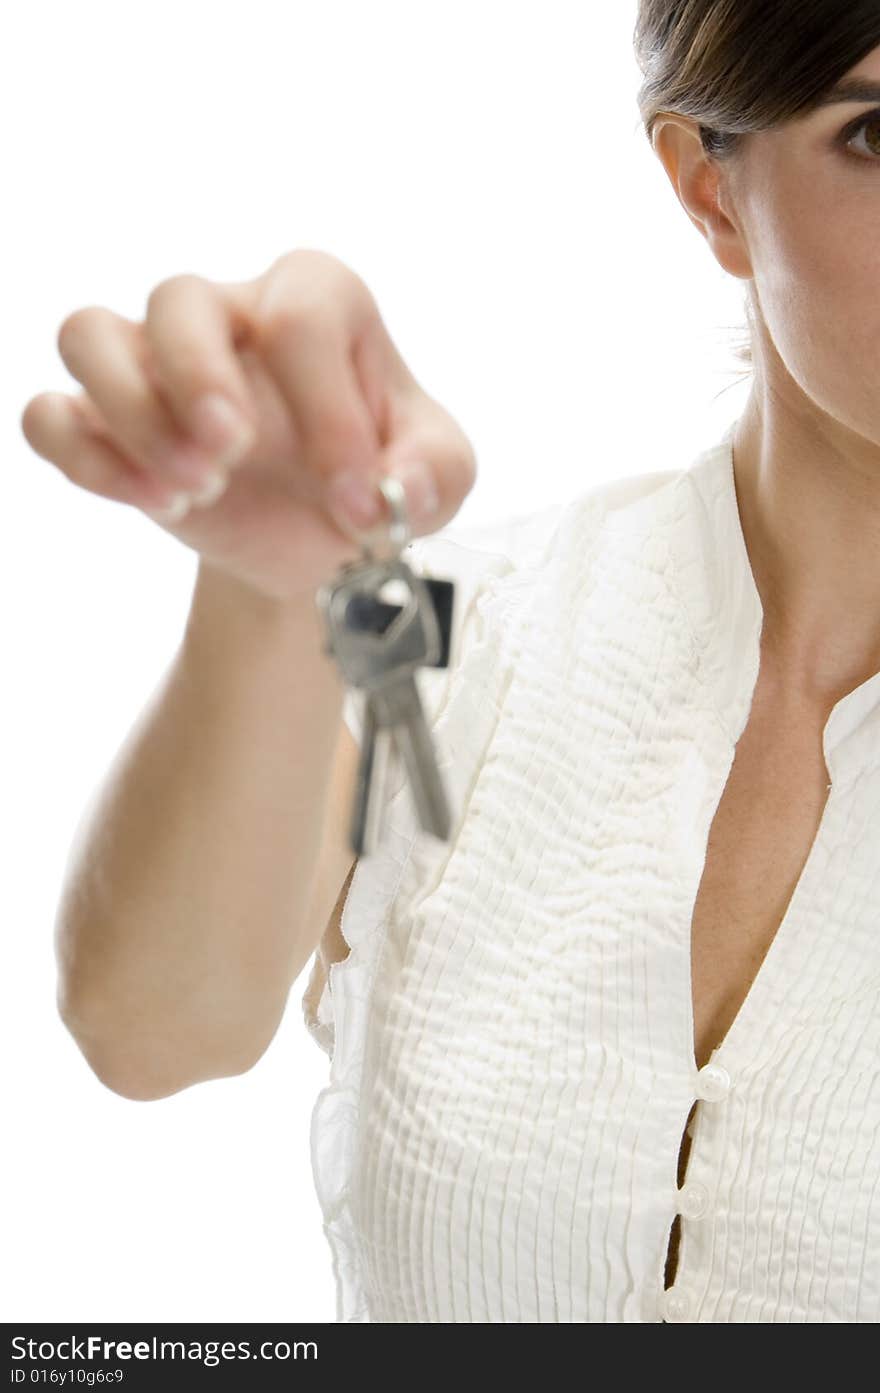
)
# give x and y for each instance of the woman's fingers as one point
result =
(105, 352)
(304, 355)
(358, 409)
(67, 431)
(309, 360)
(427, 440)
(192, 331)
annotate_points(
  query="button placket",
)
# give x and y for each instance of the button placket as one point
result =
(693, 1200)
(713, 1083)
(676, 1305)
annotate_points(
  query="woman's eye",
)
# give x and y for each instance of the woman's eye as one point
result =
(870, 125)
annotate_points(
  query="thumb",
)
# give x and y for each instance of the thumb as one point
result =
(434, 461)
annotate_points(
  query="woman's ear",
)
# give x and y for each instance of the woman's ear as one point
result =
(702, 188)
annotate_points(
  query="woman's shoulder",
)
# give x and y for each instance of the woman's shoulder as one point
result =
(520, 539)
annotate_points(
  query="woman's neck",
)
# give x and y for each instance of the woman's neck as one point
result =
(808, 491)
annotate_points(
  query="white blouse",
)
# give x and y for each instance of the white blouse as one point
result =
(511, 1033)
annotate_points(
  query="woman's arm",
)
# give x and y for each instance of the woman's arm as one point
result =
(188, 909)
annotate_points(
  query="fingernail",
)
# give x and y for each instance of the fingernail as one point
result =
(221, 428)
(215, 483)
(422, 498)
(178, 506)
(356, 498)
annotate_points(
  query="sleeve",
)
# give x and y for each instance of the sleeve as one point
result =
(472, 557)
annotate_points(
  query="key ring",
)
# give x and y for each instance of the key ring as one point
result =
(399, 534)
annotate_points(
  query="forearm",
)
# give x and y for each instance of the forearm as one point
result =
(182, 920)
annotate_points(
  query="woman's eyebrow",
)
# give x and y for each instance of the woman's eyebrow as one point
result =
(851, 89)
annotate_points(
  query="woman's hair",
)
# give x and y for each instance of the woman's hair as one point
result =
(741, 66)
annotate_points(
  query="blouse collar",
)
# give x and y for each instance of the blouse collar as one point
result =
(716, 588)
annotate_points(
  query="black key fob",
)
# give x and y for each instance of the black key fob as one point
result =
(367, 614)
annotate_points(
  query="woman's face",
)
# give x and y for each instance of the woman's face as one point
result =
(802, 207)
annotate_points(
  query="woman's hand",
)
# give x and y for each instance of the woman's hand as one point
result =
(317, 393)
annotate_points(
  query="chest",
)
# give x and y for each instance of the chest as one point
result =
(759, 840)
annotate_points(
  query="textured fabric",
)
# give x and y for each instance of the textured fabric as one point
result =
(511, 1035)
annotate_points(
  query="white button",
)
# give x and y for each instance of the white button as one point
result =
(713, 1081)
(676, 1305)
(693, 1200)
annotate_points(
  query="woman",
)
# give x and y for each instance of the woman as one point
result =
(610, 1054)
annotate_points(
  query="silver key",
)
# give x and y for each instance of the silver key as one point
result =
(365, 831)
(384, 666)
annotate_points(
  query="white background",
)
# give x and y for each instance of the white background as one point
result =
(482, 167)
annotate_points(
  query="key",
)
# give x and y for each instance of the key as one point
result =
(384, 665)
(365, 830)
(379, 647)
(373, 614)
(398, 707)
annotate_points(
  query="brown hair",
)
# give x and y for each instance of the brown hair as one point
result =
(741, 66)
